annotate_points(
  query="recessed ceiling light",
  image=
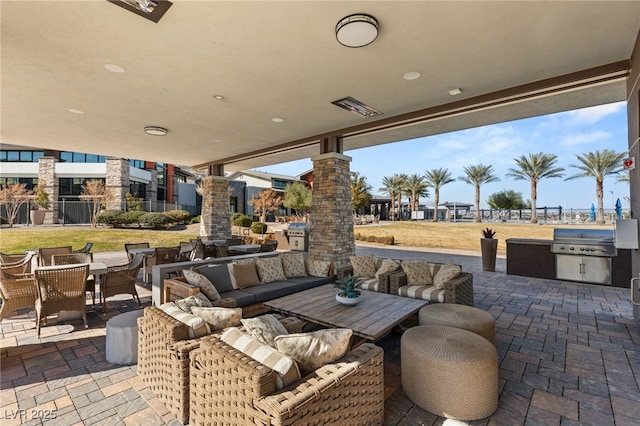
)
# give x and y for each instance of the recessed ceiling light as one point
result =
(155, 130)
(75, 111)
(412, 75)
(114, 68)
(218, 97)
(456, 91)
(277, 119)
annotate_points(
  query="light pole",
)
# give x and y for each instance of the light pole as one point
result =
(611, 192)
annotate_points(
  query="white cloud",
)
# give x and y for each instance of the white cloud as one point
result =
(587, 116)
(585, 138)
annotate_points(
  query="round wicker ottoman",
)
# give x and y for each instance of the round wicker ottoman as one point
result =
(449, 371)
(459, 316)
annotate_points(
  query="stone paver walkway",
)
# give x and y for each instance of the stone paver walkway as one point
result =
(569, 354)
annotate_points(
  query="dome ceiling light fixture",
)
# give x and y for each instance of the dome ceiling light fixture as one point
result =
(155, 131)
(357, 30)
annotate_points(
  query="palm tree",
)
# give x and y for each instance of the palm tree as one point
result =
(391, 185)
(437, 178)
(416, 186)
(360, 192)
(598, 165)
(534, 168)
(476, 176)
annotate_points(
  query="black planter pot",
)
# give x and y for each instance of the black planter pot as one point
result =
(489, 249)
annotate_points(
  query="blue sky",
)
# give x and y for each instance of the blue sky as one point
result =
(565, 134)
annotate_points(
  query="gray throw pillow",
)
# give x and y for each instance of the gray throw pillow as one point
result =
(219, 277)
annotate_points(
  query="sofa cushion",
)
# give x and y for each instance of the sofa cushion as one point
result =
(241, 297)
(218, 318)
(264, 328)
(387, 265)
(293, 264)
(445, 273)
(306, 283)
(363, 266)
(218, 275)
(284, 366)
(198, 299)
(313, 350)
(230, 268)
(268, 291)
(424, 292)
(318, 268)
(197, 327)
(196, 279)
(270, 269)
(371, 284)
(418, 273)
(246, 275)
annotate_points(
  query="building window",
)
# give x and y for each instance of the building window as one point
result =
(160, 168)
(233, 204)
(138, 164)
(71, 188)
(21, 156)
(279, 184)
(29, 182)
(81, 157)
(138, 189)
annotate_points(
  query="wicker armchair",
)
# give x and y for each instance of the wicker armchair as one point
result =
(61, 289)
(121, 280)
(164, 350)
(75, 258)
(268, 245)
(129, 246)
(17, 292)
(457, 290)
(44, 254)
(383, 281)
(228, 387)
(10, 258)
(85, 249)
(160, 256)
(21, 266)
(186, 251)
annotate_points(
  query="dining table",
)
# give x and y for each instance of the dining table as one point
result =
(244, 248)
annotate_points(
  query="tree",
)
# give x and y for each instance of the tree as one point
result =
(391, 185)
(477, 175)
(13, 196)
(416, 186)
(402, 178)
(360, 191)
(506, 200)
(265, 202)
(437, 178)
(96, 193)
(598, 165)
(534, 168)
(297, 196)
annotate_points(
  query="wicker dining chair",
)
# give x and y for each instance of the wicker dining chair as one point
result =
(221, 250)
(186, 251)
(85, 249)
(10, 258)
(18, 291)
(45, 253)
(160, 256)
(121, 280)
(61, 289)
(129, 246)
(76, 258)
(268, 245)
(21, 266)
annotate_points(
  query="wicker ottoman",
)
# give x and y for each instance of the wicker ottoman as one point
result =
(122, 338)
(459, 316)
(449, 372)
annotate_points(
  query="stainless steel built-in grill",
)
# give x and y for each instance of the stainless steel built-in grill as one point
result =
(584, 254)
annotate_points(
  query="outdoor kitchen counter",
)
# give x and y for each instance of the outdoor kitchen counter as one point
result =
(533, 258)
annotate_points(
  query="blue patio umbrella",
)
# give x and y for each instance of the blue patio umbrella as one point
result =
(618, 209)
(592, 215)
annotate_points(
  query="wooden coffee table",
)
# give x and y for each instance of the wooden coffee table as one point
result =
(370, 319)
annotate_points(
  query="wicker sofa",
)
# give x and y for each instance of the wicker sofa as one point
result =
(164, 350)
(228, 387)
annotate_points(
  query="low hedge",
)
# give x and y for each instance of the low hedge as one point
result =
(388, 240)
(258, 228)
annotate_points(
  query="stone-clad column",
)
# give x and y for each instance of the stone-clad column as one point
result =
(331, 227)
(215, 222)
(48, 180)
(151, 193)
(117, 181)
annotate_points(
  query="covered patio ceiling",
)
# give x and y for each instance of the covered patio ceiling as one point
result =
(281, 60)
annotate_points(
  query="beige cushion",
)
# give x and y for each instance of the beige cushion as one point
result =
(387, 265)
(264, 328)
(313, 350)
(285, 367)
(363, 266)
(418, 273)
(202, 283)
(232, 276)
(218, 318)
(371, 284)
(197, 327)
(270, 269)
(318, 268)
(293, 264)
(246, 275)
(424, 292)
(446, 272)
(198, 299)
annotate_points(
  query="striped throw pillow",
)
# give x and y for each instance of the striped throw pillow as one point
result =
(285, 368)
(197, 327)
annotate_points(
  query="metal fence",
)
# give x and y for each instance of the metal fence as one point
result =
(79, 212)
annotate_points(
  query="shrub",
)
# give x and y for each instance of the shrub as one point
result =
(110, 217)
(356, 236)
(131, 217)
(178, 216)
(196, 219)
(155, 220)
(387, 239)
(3, 220)
(258, 227)
(241, 220)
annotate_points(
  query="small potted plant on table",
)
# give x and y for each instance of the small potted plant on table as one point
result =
(489, 249)
(349, 293)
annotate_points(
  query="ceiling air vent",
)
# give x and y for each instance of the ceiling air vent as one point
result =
(357, 107)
